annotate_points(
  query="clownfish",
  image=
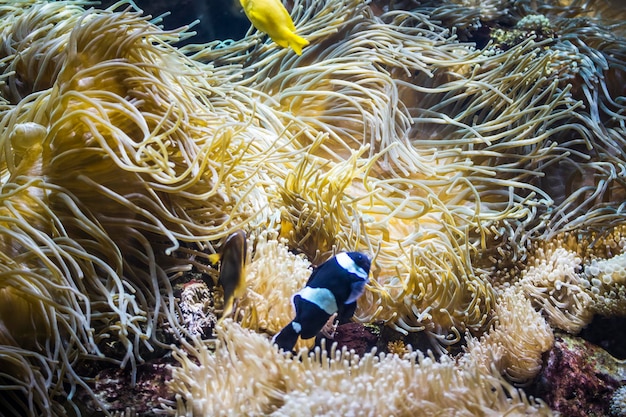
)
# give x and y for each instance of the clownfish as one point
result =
(332, 288)
(232, 275)
(271, 17)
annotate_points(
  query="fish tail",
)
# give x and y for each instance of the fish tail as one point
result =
(297, 43)
(287, 338)
(228, 307)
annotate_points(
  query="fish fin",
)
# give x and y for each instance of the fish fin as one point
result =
(287, 229)
(286, 339)
(260, 20)
(297, 43)
(313, 274)
(228, 308)
(346, 312)
(214, 258)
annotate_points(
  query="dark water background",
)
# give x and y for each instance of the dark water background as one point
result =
(219, 19)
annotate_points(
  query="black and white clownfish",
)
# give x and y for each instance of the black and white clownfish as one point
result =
(333, 287)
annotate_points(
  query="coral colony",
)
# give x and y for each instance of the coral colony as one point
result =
(474, 151)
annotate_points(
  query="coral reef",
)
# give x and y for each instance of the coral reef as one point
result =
(197, 308)
(579, 378)
(475, 150)
(516, 343)
(115, 390)
(353, 337)
(336, 384)
(618, 402)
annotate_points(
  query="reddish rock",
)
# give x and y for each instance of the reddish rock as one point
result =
(354, 336)
(114, 388)
(578, 378)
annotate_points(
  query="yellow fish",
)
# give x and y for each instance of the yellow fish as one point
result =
(232, 276)
(271, 17)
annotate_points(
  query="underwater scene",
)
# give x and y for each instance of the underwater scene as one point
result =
(313, 208)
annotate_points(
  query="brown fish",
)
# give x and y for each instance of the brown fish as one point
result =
(232, 275)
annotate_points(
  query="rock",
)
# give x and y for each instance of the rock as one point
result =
(579, 378)
(114, 388)
(354, 336)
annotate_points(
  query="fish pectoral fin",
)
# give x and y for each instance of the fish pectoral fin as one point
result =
(259, 20)
(214, 258)
(286, 339)
(346, 313)
(281, 41)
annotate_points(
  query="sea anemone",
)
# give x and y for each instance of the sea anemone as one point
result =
(335, 384)
(516, 343)
(91, 159)
(484, 180)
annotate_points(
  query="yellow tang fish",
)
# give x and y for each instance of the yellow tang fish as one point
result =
(271, 17)
(232, 275)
